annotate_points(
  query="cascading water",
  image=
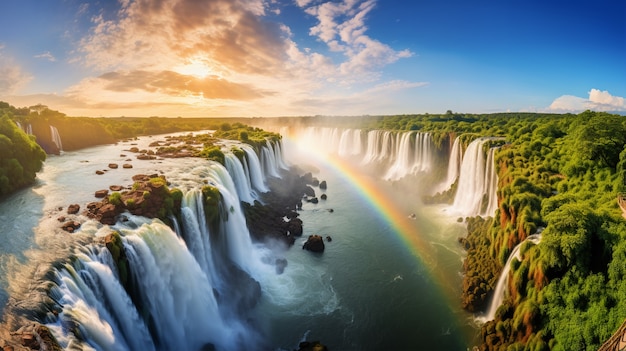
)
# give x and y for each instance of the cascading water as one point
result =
(500, 291)
(413, 155)
(477, 178)
(177, 310)
(268, 160)
(196, 233)
(56, 138)
(454, 165)
(254, 170)
(183, 290)
(241, 180)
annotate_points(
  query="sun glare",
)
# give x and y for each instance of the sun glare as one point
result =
(195, 68)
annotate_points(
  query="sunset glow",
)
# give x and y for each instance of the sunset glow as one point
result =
(311, 57)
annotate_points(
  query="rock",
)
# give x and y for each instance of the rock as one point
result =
(146, 157)
(73, 209)
(101, 193)
(313, 200)
(323, 185)
(113, 165)
(127, 165)
(323, 197)
(116, 188)
(70, 226)
(61, 219)
(294, 227)
(314, 243)
(328, 238)
(99, 172)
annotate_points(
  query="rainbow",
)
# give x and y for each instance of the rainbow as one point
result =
(407, 230)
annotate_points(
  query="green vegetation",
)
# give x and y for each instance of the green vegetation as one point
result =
(563, 173)
(212, 199)
(20, 156)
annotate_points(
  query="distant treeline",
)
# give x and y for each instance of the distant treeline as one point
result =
(22, 154)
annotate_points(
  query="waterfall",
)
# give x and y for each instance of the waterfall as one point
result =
(234, 232)
(184, 290)
(350, 143)
(268, 160)
(29, 129)
(254, 170)
(56, 138)
(454, 165)
(500, 290)
(19, 125)
(476, 178)
(491, 183)
(241, 180)
(177, 306)
(196, 233)
(280, 158)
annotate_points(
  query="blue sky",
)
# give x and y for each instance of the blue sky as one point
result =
(310, 57)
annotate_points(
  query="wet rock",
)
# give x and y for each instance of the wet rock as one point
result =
(70, 226)
(323, 197)
(113, 165)
(314, 243)
(116, 188)
(101, 193)
(73, 209)
(127, 165)
(99, 172)
(323, 185)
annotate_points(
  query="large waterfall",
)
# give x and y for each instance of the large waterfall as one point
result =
(187, 290)
(500, 291)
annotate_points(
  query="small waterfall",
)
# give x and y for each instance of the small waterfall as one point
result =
(254, 170)
(476, 178)
(500, 291)
(242, 181)
(350, 143)
(56, 138)
(374, 146)
(268, 160)
(29, 129)
(280, 158)
(454, 165)
(491, 183)
(196, 233)
(19, 125)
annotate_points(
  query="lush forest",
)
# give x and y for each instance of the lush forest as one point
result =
(564, 173)
(20, 157)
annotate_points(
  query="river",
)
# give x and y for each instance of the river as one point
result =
(371, 289)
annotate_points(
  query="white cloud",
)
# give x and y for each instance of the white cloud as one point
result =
(597, 101)
(341, 25)
(46, 56)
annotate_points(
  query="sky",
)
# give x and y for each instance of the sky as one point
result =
(249, 58)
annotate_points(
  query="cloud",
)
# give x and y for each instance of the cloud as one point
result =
(46, 56)
(12, 77)
(597, 101)
(341, 25)
(176, 84)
